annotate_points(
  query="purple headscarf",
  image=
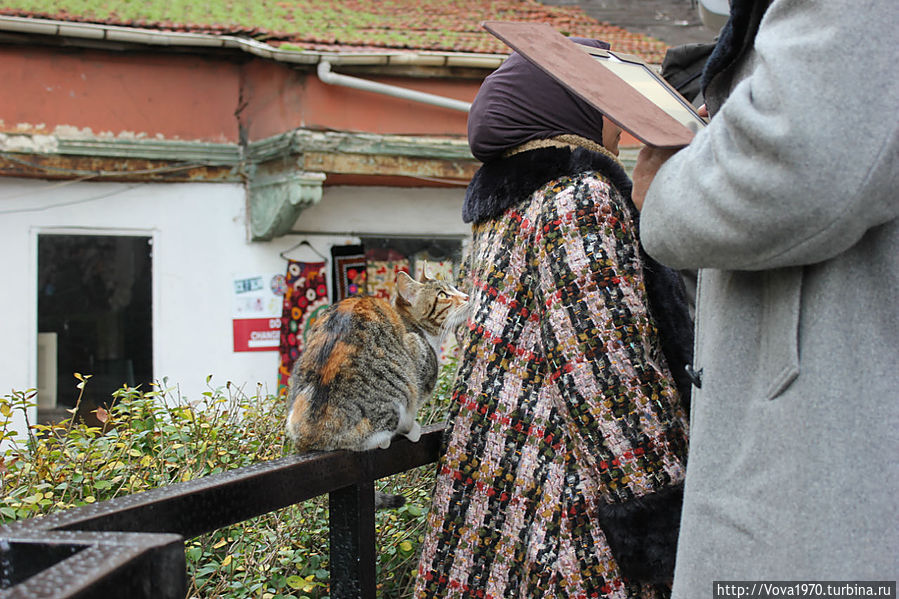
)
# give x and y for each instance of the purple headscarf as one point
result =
(518, 102)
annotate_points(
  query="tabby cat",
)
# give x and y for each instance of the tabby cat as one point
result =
(368, 365)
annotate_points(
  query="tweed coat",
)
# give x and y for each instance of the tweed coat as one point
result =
(566, 421)
(788, 203)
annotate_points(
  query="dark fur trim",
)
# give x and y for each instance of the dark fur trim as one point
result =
(500, 184)
(642, 534)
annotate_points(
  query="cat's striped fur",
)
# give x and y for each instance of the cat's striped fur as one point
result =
(368, 366)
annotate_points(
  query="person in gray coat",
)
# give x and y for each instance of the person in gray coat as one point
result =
(788, 204)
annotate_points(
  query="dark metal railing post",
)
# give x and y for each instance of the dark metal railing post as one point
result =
(352, 521)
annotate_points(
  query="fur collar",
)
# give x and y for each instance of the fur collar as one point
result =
(502, 183)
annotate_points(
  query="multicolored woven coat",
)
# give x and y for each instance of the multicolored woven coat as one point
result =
(565, 415)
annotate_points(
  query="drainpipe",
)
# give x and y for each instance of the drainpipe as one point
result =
(325, 74)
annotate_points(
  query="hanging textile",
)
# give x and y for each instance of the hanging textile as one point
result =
(347, 271)
(382, 266)
(443, 269)
(305, 298)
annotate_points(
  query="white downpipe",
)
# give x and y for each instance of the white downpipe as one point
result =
(325, 74)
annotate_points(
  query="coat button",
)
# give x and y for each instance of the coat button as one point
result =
(695, 375)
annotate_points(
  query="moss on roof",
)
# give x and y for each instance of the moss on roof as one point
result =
(437, 25)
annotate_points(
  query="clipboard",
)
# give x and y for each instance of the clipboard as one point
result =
(621, 86)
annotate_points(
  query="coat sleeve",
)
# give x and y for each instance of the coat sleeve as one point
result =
(602, 355)
(801, 160)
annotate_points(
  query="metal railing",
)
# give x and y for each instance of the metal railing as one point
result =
(133, 546)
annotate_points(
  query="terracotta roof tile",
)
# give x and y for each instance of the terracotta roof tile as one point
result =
(342, 25)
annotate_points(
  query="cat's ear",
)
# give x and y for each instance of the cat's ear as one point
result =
(406, 287)
(423, 277)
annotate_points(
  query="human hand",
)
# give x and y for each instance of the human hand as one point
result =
(649, 161)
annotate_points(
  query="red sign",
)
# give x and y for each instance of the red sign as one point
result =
(257, 334)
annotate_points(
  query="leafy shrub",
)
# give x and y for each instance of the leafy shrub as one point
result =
(155, 437)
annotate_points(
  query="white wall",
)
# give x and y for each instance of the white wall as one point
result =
(199, 246)
(419, 211)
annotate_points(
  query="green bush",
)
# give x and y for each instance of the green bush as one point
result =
(155, 437)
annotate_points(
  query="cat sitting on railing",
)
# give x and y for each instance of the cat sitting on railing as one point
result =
(368, 366)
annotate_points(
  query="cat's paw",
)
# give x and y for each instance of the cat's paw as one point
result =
(380, 439)
(414, 433)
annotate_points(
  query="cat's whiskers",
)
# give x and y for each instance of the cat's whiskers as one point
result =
(457, 316)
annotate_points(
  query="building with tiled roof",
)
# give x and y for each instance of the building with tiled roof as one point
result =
(189, 147)
(347, 26)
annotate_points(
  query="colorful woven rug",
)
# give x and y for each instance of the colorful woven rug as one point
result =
(436, 269)
(382, 266)
(347, 271)
(305, 298)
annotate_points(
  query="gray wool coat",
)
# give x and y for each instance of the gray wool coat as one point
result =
(788, 204)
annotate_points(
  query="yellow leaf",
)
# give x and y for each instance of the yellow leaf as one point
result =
(5, 409)
(227, 561)
(185, 476)
(78, 376)
(146, 461)
(134, 453)
(220, 544)
(90, 499)
(308, 587)
(406, 546)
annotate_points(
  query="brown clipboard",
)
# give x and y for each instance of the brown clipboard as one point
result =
(572, 66)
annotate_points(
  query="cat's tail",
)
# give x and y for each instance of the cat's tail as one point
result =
(388, 501)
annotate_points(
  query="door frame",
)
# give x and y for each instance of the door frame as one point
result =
(34, 233)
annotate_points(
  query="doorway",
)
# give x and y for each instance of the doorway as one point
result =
(94, 318)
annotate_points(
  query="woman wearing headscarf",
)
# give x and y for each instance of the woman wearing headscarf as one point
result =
(564, 461)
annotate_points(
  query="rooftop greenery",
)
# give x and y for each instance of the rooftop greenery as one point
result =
(346, 25)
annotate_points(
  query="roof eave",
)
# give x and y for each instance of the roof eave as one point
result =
(150, 37)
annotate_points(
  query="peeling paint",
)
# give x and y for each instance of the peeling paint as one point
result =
(30, 144)
(73, 132)
(29, 137)
(49, 166)
(30, 128)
